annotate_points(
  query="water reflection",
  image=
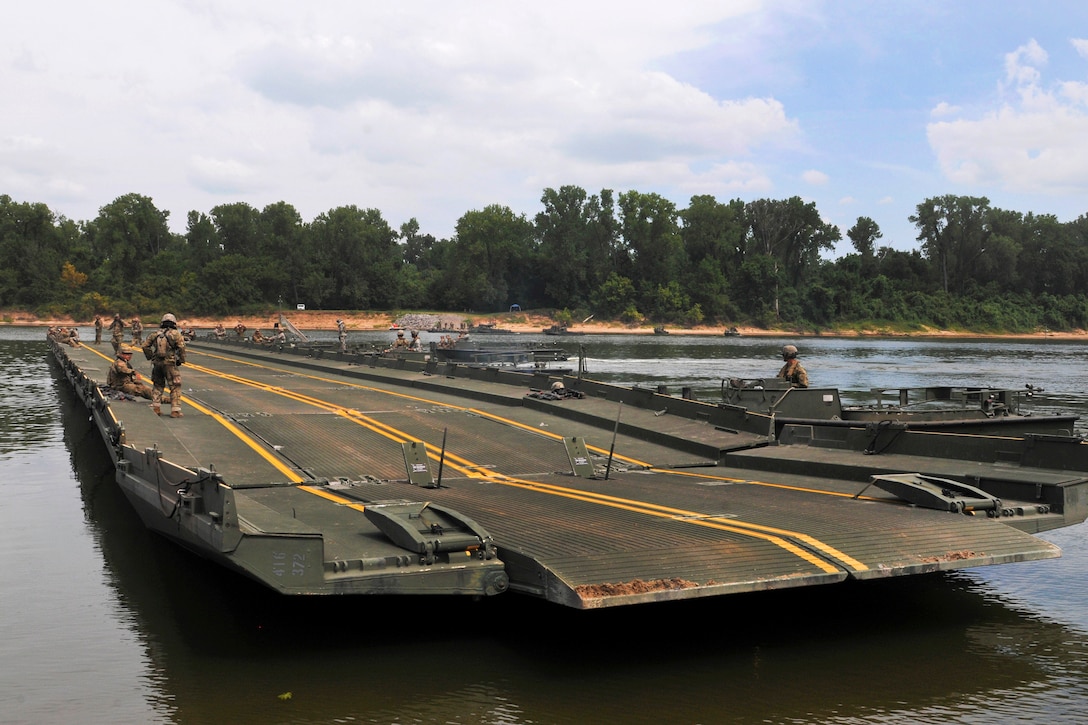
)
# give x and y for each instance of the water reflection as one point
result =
(27, 396)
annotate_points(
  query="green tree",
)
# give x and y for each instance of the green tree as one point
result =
(864, 235)
(954, 233)
(128, 234)
(605, 254)
(713, 236)
(202, 244)
(32, 252)
(564, 234)
(791, 234)
(284, 252)
(649, 225)
(357, 253)
(238, 227)
(491, 249)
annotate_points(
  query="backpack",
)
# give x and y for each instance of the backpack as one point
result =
(156, 347)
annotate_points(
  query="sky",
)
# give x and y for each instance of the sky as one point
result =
(431, 109)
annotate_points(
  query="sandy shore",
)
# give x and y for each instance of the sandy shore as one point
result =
(517, 322)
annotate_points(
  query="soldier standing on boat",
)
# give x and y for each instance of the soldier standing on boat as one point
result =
(124, 378)
(137, 332)
(416, 345)
(792, 371)
(342, 335)
(400, 343)
(166, 351)
(98, 329)
(117, 330)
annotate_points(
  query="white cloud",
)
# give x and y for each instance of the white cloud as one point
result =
(1036, 142)
(417, 109)
(816, 178)
(944, 109)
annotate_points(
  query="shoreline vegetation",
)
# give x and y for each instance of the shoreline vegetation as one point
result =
(520, 322)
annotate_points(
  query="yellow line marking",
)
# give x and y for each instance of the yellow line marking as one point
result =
(248, 440)
(767, 533)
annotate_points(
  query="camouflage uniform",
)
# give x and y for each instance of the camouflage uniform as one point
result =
(795, 373)
(342, 335)
(137, 331)
(97, 329)
(123, 377)
(165, 360)
(117, 328)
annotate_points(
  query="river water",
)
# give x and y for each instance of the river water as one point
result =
(101, 622)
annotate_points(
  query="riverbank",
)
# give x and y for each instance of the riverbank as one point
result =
(522, 322)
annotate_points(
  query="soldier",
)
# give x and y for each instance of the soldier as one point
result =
(220, 333)
(166, 351)
(98, 329)
(137, 332)
(792, 370)
(342, 335)
(124, 378)
(258, 337)
(117, 328)
(400, 343)
(416, 345)
(241, 330)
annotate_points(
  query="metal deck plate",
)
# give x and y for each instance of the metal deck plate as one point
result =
(583, 542)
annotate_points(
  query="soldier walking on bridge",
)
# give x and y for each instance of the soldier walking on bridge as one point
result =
(117, 330)
(166, 351)
(137, 332)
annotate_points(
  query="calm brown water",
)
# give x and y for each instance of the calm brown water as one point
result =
(100, 622)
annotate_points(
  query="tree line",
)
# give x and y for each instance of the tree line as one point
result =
(634, 256)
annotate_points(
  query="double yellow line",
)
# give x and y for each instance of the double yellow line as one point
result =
(777, 536)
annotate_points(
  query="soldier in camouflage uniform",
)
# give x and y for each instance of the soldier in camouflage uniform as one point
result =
(792, 370)
(117, 329)
(137, 331)
(124, 378)
(98, 329)
(166, 351)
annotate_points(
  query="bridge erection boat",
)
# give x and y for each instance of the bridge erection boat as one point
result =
(342, 473)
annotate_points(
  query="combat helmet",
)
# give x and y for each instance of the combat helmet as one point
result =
(789, 351)
(169, 318)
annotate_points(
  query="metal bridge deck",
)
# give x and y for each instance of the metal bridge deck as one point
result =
(669, 522)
